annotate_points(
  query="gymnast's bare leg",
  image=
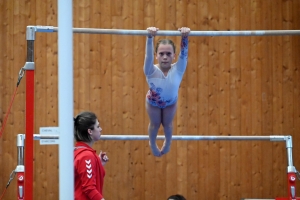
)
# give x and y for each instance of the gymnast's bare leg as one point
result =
(155, 116)
(168, 114)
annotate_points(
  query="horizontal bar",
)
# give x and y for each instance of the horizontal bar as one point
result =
(192, 33)
(193, 137)
(176, 137)
(39, 136)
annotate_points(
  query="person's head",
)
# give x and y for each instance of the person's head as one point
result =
(176, 197)
(87, 127)
(165, 52)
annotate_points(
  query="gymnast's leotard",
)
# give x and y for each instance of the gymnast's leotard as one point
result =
(163, 90)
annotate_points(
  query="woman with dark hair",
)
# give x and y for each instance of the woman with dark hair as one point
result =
(176, 197)
(88, 166)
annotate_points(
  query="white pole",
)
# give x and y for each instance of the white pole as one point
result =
(65, 99)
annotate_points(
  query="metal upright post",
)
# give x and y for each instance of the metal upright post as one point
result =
(291, 172)
(29, 120)
(20, 167)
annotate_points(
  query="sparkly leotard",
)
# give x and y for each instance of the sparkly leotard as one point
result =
(163, 90)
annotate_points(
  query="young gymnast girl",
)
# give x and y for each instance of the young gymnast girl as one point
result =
(163, 80)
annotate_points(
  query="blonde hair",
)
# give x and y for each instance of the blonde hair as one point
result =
(165, 41)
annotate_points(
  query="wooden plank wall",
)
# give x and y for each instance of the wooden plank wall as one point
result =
(232, 86)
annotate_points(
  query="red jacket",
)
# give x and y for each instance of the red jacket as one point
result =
(89, 173)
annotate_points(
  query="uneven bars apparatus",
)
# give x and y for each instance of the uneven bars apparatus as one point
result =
(66, 102)
(273, 138)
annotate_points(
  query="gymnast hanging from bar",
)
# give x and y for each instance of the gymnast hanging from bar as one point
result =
(164, 80)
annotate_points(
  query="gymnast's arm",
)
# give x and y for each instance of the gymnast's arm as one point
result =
(149, 56)
(183, 54)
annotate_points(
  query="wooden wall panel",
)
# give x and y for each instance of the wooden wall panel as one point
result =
(232, 86)
(256, 53)
(266, 108)
(277, 102)
(137, 149)
(51, 103)
(127, 84)
(213, 99)
(94, 64)
(235, 97)
(224, 103)
(202, 82)
(245, 129)
(2, 57)
(41, 177)
(7, 92)
(104, 96)
(193, 176)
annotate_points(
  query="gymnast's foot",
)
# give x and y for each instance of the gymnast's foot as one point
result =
(155, 150)
(165, 148)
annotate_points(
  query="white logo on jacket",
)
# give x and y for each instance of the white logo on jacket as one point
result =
(88, 168)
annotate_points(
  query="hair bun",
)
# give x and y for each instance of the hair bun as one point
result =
(75, 120)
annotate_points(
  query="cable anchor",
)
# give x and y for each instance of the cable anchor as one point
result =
(21, 74)
(297, 174)
(11, 177)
